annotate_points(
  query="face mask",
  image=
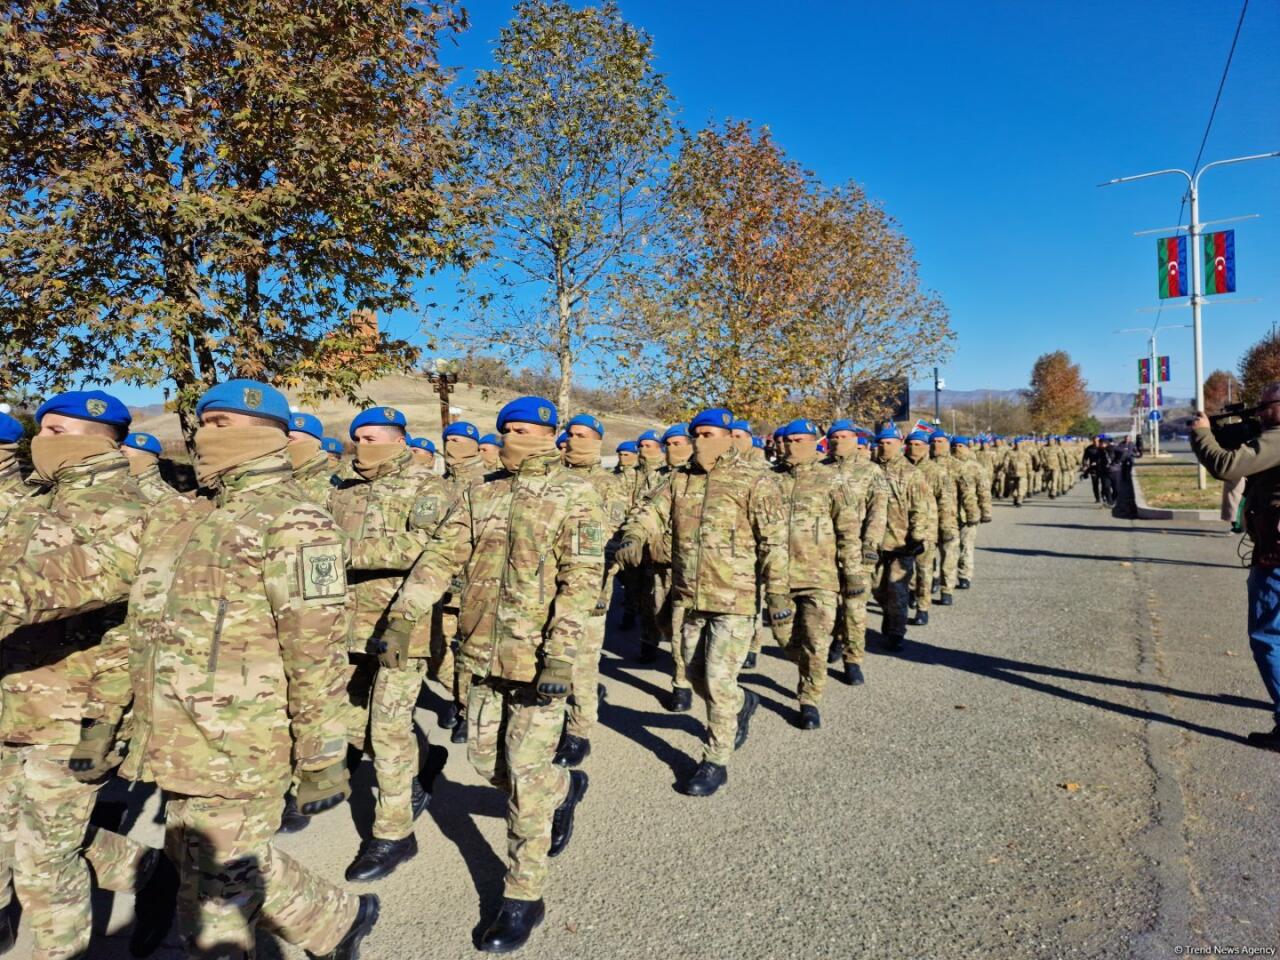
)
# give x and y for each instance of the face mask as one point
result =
(219, 449)
(490, 456)
(844, 447)
(888, 454)
(519, 447)
(651, 458)
(707, 450)
(627, 459)
(916, 455)
(582, 452)
(802, 451)
(140, 463)
(8, 453)
(678, 454)
(371, 456)
(742, 444)
(301, 451)
(50, 454)
(459, 449)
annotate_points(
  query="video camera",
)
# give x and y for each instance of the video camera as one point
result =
(1236, 424)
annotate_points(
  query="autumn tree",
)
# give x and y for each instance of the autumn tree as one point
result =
(1220, 388)
(1057, 396)
(1260, 366)
(191, 191)
(567, 138)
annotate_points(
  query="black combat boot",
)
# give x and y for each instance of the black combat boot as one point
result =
(945, 600)
(511, 928)
(562, 820)
(459, 734)
(292, 820)
(154, 906)
(893, 641)
(573, 750)
(1266, 739)
(379, 858)
(348, 947)
(750, 662)
(419, 798)
(963, 583)
(706, 780)
(448, 716)
(750, 700)
(835, 651)
(921, 619)
(810, 719)
(680, 701)
(853, 674)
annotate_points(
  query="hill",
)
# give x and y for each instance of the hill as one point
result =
(1103, 405)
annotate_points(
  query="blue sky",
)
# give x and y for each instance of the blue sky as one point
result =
(985, 128)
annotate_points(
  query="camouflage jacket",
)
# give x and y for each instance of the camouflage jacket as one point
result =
(643, 481)
(722, 525)
(980, 480)
(387, 519)
(824, 518)
(867, 483)
(530, 546)
(910, 510)
(966, 488)
(48, 670)
(986, 459)
(236, 630)
(14, 490)
(1018, 463)
(613, 500)
(316, 479)
(943, 488)
(152, 485)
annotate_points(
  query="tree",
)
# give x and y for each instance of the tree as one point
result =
(1220, 388)
(567, 138)
(996, 414)
(1057, 396)
(199, 190)
(1086, 426)
(1260, 366)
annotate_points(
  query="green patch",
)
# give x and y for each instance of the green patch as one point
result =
(426, 513)
(590, 539)
(323, 574)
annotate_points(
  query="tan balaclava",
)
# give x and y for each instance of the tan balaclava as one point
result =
(221, 449)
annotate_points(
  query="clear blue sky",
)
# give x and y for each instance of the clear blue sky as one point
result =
(984, 128)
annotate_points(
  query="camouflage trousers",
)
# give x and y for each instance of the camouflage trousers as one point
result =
(968, 545)
(655, 605)
(1051, 483)
(948, 562)
(44, 819)
(893, 587)
(391, 739)
(713, 658)
(851, 623)
(761, 634)
(444, 665)
(231, 878)
(584, 705)
(1017, 488)
(512, 736)
(923, 575)
(815, 620)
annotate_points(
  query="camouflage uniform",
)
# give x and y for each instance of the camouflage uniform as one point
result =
(1018, 471)
(317, 479)
(722, 523)
(388, 515)
(945, 528)
(967, 512)
(653, 581)
(910, 520)
(824, 550)
(976, 479)
(46, 680)
(530, 546)
(869, 492)
(152, 486)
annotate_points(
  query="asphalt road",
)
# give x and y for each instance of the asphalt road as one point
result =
(1055, 767)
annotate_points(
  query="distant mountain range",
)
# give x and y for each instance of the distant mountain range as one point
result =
(1104, 405)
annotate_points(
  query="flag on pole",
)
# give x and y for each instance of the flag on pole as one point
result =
(1144, 398)
(1144, 371)
(1171, 257)
(1220, 262)
(1164, 370)
(923, 424)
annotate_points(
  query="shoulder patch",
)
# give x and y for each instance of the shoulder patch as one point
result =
(590, 539)
(426, 512)
(322, 570)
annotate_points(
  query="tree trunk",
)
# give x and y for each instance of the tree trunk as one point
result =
(564, 349)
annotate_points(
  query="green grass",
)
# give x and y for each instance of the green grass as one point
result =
(1174, 488)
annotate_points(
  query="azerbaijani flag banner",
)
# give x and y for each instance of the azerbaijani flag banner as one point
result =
(1171, 257)
(1144, 372)
(1144, 398)
(1164, 369)
(1220, 262)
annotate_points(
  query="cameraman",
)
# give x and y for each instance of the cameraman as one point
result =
(1252, 451)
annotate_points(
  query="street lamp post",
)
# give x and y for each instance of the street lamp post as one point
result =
(1153, 375)
(1197, 289)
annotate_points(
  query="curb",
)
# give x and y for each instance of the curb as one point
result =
(1147, 512)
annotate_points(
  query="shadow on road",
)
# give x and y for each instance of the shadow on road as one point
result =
(1014, 672)
(1026, 552)
(1113, 528)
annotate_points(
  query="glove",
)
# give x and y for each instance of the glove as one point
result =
(391, 647)
(912, 548)
(855, 582)
(555, 678)
(779, 610)
(871, 556)
(95, 755)
(630, 553)
(601, 607)
(321, 790)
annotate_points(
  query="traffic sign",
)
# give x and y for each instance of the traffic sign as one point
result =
(1154, 416)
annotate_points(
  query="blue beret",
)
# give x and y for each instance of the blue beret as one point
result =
(676, 430)
(757, 443)
(919, 435)
(563, 438)
(960, 441)
(492, 439)
(10, 429)
(888, 432)
(87, 405)
(306, 423)
(863, 440)
(742, 425)
(246, 396)
(528, 410)
(939, 435)
(628, 446)
(715, 417)
(588, 421)
(648, 435)
(800, 425)
(462, 429)
(422, 443)
(331, 445)
(143, 441)
(378, 417)
(837, 425)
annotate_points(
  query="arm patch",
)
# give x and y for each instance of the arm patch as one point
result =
(590, 539)
(323, 573)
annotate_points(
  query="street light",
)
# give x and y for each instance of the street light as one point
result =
(1153, 374)
(1193, 231)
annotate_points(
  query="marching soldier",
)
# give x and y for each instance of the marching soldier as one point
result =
(910, 520)
(333, 447)
(967, 512)
(490, 446)
(942, 513)
(422, 450)
(1018, 470)
(312, 464)
(725, 516)
(142, 450)
(976, 480)
(628, 457)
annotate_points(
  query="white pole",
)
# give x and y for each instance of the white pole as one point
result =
(1197, 291)
(1153, 378)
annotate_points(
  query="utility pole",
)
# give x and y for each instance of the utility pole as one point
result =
(937, 397)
